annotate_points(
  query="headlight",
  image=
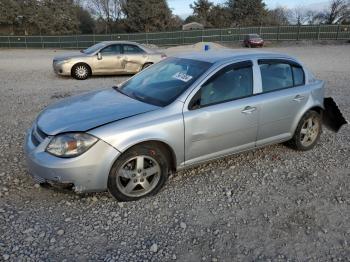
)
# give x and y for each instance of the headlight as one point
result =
(70, 144)
(63, 61)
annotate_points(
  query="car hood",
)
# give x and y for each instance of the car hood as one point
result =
(69, 56)
(89, 110)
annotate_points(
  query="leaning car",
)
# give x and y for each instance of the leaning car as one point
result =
(107, 58)
(178, 113)
(253, 40)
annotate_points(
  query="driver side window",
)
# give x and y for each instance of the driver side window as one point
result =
(230, 83)
(111, 49)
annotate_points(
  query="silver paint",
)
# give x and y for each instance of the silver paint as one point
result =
(193, 136)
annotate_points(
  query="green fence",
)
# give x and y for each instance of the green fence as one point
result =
(280, 33)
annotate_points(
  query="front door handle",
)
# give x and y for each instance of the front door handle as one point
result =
(298, 98)
(248, 110)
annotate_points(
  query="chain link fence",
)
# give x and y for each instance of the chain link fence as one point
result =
(271, 33)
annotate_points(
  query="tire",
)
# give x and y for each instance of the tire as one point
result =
(305, 138)
(146, 65)
(81, 71)
(130, 180)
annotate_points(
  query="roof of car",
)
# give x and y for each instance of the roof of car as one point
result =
(229, 54)
(119, 42)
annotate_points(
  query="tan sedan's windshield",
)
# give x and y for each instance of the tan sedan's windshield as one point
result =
(93, 49)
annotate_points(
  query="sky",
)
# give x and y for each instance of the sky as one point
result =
(181, 7)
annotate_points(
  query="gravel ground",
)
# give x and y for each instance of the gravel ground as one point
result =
(269, 204)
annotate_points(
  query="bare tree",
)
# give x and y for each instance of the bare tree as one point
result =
(299, 16)
(277, 16)
(109, 11)
(336, 12)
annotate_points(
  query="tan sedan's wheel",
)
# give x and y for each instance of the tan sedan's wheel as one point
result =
(139, 172)
(81, 71)
(308, 132)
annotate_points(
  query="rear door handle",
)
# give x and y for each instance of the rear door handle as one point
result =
(298, 98)
(248, 110)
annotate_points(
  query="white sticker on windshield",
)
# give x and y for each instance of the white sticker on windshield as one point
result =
(182, 76)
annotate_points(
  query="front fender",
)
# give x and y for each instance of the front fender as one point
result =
(165, 126)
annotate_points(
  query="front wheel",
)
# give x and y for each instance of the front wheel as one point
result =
(141, 171)
(80, 71)
(308, 132)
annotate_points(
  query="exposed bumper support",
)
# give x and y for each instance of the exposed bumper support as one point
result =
(333, 119)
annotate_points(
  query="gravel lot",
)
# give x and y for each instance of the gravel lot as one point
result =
(269, 204)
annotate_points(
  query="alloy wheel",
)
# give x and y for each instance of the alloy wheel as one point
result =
(138, 176)
(309, 131)
(81, 72)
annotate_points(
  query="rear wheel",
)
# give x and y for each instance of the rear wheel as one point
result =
(141, 171)
(308, 132)
(81, 71)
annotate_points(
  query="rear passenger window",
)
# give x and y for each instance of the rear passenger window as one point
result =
(298, 74)
(276, 76)
(132, 49)
(279, 75)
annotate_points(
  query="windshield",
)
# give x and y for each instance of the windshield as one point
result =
(254, 37)
(93, 49)
(162, 83)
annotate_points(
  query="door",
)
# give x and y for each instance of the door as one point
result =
(222, 116)
(135, 58)
(283, 97)
(111, 61)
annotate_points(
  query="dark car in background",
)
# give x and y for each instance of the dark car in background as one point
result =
(253, 40)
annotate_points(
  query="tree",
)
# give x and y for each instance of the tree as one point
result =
(175, 23)
(201, 10)
(55, 17)
(108, 11)
(219, 17)
(277, 16)
(147, 15)
(39, 16)
(192, 18)
(299, 16)
(9, 10)
(247, 12)
(86, 22)
(337, 11)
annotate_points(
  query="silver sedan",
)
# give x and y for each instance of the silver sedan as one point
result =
(107, 58)
(180, 112)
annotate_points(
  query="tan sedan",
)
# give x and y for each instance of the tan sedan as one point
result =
(107, 58)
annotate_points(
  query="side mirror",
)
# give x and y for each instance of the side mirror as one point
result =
(99, 56)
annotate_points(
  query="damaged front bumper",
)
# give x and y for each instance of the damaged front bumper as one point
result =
(85, 173)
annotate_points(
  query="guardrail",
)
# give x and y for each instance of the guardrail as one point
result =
(270, 33)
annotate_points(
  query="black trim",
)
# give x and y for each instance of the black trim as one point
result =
(278, 61)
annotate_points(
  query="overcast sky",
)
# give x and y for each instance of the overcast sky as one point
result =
(181, 7)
